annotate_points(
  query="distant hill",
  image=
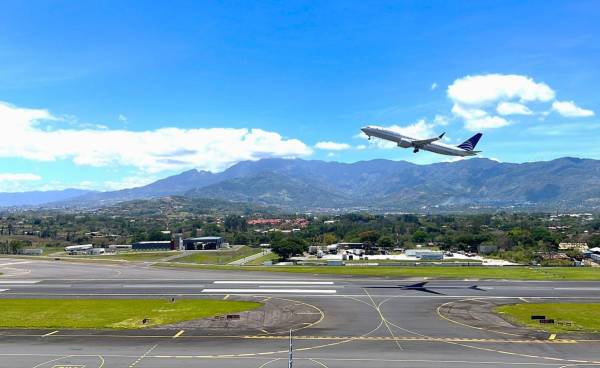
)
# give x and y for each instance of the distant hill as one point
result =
(566, 183)
(37, 198)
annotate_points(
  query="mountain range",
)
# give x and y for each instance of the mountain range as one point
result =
(565, 183)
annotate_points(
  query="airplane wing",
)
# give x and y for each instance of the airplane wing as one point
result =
(422, 142)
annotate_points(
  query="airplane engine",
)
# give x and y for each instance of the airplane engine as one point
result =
(404, 143)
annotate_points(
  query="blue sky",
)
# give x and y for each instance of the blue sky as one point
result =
(114, 94)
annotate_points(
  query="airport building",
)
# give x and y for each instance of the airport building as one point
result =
(153, 245)
(203, 243)
(424, 254)
(582, 247)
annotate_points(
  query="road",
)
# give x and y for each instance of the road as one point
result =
(336, 321)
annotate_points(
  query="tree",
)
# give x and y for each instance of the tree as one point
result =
(369, 236)
(329, 238)
(289, 247)
(212, 230)
(234, 222)
(419, 236)
(385, 241)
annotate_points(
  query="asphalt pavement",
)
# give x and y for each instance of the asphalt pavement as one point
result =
(336, 321)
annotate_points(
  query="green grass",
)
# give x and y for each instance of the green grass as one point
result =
(413, 261)
(110, 313)
(50, 250)
(259, 261)
(137, 256)
(219, 256)
(133, 256)
(440, 272)
(584, 317)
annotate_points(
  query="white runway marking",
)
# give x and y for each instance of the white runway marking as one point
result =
(168, 286)
(13, 263)
(268, 291)
(267, 282)
(20, 282)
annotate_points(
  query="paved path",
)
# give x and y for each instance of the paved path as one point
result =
(243, 261)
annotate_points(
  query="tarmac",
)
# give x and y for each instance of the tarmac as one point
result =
(335, 321)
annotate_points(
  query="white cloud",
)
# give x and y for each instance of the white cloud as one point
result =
(18, 182)
(434, 86)
(482, 100)
(14, 177)
(486, 122)
(441, 120)
(361, 147)
(123, 119)
(211, 149)
(332, 146)
(489, 88)
(513, 108)
(125, 183)
(468, 113)
(420, 129)
(570, 109)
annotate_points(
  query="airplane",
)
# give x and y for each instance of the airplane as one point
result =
(432, 145)
(422, 286)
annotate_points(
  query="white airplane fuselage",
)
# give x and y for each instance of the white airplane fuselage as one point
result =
(407, 142)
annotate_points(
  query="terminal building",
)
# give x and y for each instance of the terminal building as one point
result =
(203, 243)
(153, 245)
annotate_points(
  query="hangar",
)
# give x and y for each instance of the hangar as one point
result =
(203, 243)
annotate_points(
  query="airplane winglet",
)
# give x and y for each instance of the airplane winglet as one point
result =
(441, 135)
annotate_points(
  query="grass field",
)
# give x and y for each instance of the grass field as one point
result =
(136, 256)
(584, 317)
(110, 313)
(259, 261)
(219, 256)
(140, 256)
(441, 272)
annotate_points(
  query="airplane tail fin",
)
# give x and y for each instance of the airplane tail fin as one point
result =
(469, 144)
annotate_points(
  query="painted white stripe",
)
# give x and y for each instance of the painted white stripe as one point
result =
(13, 263)
(15, 282)
(287, 286)
(577, 288)
(268, 291)
(167, 286)
(267, 282)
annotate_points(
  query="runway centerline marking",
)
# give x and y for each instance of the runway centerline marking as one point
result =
(18, 282)
(267, 282)
(269, 291)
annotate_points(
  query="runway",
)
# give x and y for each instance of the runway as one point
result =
(336, 321)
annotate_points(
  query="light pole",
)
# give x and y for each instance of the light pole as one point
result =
(290, 356)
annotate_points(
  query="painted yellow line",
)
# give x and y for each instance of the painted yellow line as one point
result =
(50, 333)
(178, 334)
(334, 338)
(552, 337)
